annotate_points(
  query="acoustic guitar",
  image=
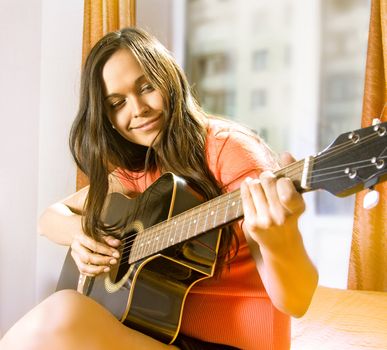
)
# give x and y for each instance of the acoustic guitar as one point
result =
(170, 238)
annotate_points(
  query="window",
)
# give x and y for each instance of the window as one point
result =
(344, 87)
(213, 64)
(258, 98)
(260, 59)
(294, 72)
(219, 102)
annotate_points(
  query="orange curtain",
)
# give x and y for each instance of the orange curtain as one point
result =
(101, 17)
(368, 259)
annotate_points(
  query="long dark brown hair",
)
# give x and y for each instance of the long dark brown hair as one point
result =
(180, 148)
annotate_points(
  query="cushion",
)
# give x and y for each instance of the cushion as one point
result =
(342, 319)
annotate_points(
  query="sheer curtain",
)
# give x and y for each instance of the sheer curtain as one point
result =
(368, 260)
(101, 17)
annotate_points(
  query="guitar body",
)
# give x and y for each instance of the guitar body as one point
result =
(149, 294)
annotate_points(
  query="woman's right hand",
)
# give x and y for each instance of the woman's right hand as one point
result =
(62, 224)
(92, 257)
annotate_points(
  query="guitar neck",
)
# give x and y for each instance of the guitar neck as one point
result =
(355, 160)
(215, 213)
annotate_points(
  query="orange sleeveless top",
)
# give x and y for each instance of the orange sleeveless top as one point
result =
(233, 309)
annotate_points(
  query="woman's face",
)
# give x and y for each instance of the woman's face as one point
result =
(135, 107)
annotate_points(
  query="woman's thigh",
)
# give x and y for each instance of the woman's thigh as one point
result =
(69, 320)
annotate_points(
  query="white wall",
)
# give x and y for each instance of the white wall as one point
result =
(40, 57)
(61, 54)
(19, 113)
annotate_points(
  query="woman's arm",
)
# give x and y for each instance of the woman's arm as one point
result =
(272, 208)
(62, 224)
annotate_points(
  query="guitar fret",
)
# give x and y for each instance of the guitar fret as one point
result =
(173, 232)
(149, 241)
(163, 235)
(182, 225)
(145, 239)
(238, 207)
(157, 239)
(168, 237)
(189, 226)
(227, 205)
(133, 254)
(138, 249)
(153, 240)
(206, 217)
(146, 242)
(215, 213)
(142, 245)
(174, 227)
(180, 232)
(196, 225)
(198, 222)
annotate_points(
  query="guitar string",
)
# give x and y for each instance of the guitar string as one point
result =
(154, 238)
(167, 224)
(293, 167)
(323, 157)
(339, 149)
(149, 231)
(343, 147)
(154, 232)
(296, 168)
(186, 223)
(344, 166)
(186, 217)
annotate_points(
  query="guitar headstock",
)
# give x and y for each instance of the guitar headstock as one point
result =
(354, 161)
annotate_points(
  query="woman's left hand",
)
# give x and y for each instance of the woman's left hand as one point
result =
(271, 208)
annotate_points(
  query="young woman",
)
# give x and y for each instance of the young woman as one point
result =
(138, 120)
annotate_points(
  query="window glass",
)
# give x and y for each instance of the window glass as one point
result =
(293, 71)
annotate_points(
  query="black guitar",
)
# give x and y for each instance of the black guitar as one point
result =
(170, 239)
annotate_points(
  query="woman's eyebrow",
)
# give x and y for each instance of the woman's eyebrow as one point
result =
(114, 94)
(136, 82)
(140, 78)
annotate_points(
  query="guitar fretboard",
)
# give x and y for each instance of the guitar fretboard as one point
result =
(215, 213)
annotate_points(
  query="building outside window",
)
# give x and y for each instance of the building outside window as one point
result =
(293, 71)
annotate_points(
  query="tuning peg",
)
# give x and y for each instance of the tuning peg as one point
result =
(371, 199)
(376, 121)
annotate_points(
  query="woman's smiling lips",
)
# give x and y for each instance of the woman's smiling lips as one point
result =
(148, 125)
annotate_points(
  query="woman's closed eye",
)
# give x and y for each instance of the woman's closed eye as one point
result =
(116, 104)
(146, 88)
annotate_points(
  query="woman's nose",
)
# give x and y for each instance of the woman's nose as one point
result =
(138, 106)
